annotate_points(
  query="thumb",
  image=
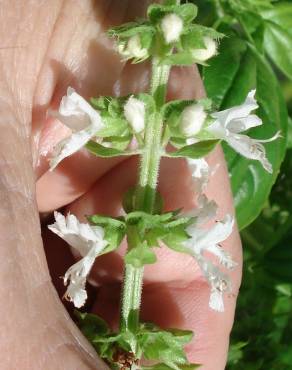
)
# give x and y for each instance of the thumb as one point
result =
(36, 331)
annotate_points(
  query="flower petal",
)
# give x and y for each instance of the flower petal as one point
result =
(203, 239)
(172, 27)
(80, 236)
(77, 275)
(134, 111)
(250, 148)
(216, 300)
(70, 146)
(82, 119)
(76, 113)
(237, 113)
(200, 173)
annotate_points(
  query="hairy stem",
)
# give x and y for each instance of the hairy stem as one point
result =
(146, 192)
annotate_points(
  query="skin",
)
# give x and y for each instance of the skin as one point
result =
(45, 47)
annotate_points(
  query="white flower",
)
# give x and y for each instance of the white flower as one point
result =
(172, 27)
(134, 111)
(133, 48)
(200, 171)
(229, 124)
(207, 240)
(81, 118)
(192, 119)
(201, 55)
(89, 242)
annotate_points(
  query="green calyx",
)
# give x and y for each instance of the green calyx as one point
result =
(144, 232)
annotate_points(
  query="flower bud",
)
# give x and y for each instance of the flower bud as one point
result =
(133, 48)
(202, 55)
(134, 111)
(172, 27)
(192, 120)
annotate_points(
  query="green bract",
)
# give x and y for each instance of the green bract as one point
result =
(163, 346)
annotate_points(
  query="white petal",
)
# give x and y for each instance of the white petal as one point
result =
(78, 113)
(77, 275)
(206, 210)
(216, 301)
(134, 48)
(223, 256)
(134, 111)
(200, 173)
(192, 119)
(82, 119)
(71, 145)
(76, 293)
(201, 55)
(219, 282)
(80, 236)
(172, 27)
(203, 239)
(250, 148)
(238, 114)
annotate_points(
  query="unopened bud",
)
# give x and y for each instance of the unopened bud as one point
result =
(192, 120)
(172, 27)
(133, 48)
(204, 54)
(134, 111)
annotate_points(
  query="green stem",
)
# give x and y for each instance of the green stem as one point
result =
(146, 193)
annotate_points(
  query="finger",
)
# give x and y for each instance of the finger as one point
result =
(30, 310)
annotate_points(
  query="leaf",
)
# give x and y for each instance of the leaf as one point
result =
(251, 185)
(278, 45)
(195, 151)
(91, 325)
(130, 29)
(179, 59)
(106, 221)
(140, 256)
(280, 14)
(103, 152)
(187, 12)
(217, 78)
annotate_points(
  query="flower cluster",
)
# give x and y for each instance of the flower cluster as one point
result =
(168, 28)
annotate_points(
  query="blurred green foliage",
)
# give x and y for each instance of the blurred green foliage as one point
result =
(257, 53)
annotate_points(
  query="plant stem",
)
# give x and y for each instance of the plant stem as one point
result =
(146, 193)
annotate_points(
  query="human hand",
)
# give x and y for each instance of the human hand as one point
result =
(55, 45)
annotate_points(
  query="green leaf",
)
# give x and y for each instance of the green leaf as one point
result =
(280, 14)
(107, 221)
(115, 230)
(187, 12)
(179, 59)
(217, 78)
(278, 45)
(103, 152)
(140, 256)
(195, 151)
(251, 185)
(91, 325)
(130, 29)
